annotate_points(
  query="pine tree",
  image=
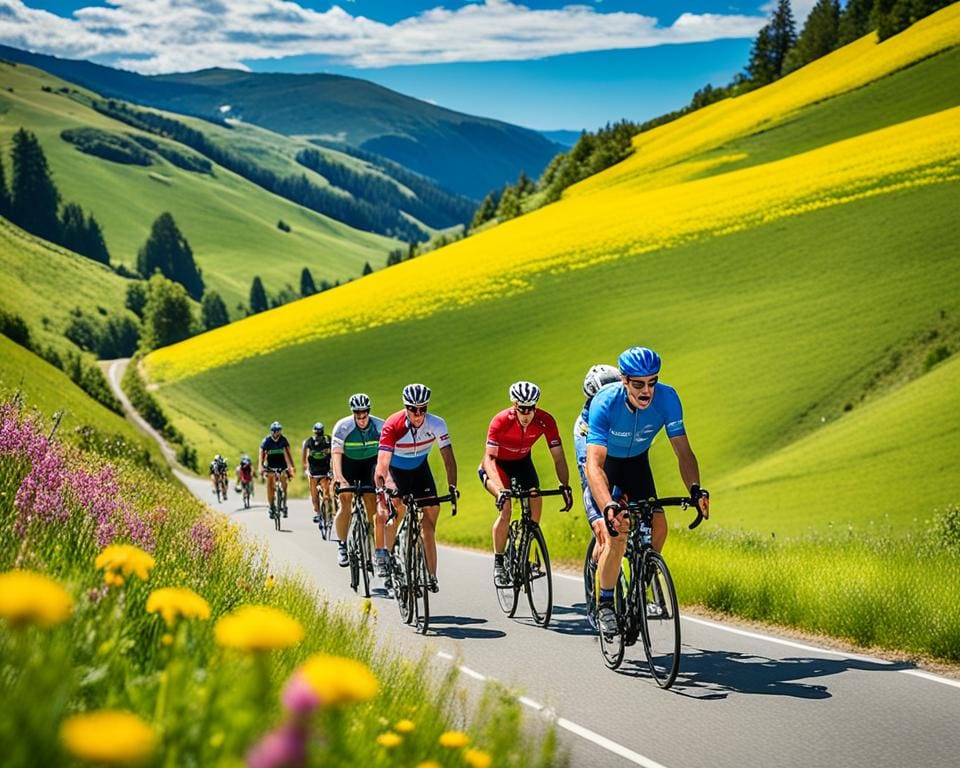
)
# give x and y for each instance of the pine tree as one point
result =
(167, 316)
(168, 251)
(367, 269)
(4, 193)
(783, 35)
(94, 245)
(854, 21)
(307, 286)
(213, 312)
(819, 35)
(72, 228)
(486, 211)
(34, 198)
(258, 296)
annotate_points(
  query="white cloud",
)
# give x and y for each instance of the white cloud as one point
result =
(154, 36)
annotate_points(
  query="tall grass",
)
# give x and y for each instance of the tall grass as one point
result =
(205, 704)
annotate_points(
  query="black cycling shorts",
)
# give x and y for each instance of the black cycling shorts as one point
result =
(522, 470)
(417, 481)
(318, 469)
(632, 476)
(359, 471)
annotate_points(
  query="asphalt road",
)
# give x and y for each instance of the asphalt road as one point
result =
(741, 699)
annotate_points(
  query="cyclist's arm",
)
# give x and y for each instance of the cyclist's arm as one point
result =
(289, 457)
(560, 462)
(383, 468)
(336, 459)
(689, 467)
(450, 464)
(490, 467)
(261, 460)
(596, 477)
(303, 457)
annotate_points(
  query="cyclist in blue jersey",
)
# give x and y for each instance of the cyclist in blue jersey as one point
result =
(623, 420)
(275, 454)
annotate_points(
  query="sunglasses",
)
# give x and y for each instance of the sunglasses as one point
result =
(358, 414)
(417, 411)
(526, 408)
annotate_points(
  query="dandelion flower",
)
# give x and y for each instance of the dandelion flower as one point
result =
(171, 602)
(337, 680)
(108, 737)
(258, 628)
(429, 764)
(27, 597)
(477, 758)
(389, 740)
(404, 726)
(454, 739)
(127, 559)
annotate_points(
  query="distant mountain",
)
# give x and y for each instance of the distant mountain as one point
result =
(467, 154)
(564, 138)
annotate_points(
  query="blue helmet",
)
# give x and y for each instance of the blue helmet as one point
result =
(639, 361)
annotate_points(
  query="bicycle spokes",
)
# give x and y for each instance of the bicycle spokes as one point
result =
(661, 621)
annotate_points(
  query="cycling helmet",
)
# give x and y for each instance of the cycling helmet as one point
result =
(318, 427)
(416, 394)
(639, 361)
(597, 376)
(524, 393)
(276, 426)
(359, 402)
(244, 459)
(218, 457)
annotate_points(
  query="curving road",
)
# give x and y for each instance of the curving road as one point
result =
(742, 698)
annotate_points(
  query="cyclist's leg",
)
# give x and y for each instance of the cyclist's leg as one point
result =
(342, 521)
(389, 532)
(271, 480)
(641, 486)
(428, 528)
(501, 525)
(323, 492)
(314, 494)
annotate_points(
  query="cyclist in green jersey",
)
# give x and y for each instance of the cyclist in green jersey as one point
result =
(275, 454)
(354, 445)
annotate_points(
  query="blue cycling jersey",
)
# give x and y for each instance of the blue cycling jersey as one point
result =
(625, 431)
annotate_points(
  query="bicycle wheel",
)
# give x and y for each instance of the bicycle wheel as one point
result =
(401, 591)
(661, 620)
(322, 525)
(589, 582)
(612, 646)
(363, 556)
(246, 496)
(419, 592)
(538, 581)
(281, 503)
(508, 595)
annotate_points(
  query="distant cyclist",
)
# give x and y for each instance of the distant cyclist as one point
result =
(405, 444)
(623, 420)
(510, 437)
(244, 473)
(218, 470)
(275, 454)
(315, 458)
(356, 439)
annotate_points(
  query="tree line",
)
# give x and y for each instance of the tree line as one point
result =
(777, 51)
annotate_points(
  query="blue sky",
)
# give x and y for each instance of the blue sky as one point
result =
(545, 64)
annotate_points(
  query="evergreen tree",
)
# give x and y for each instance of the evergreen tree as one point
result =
(168, 252)
(783, 35)
(72, 228)
(4, 193)
(119, 339)
(34, 198)
(394, 257)
(486, 211)
(167, 315)
(136, 298)
(509, 206)
(367, 269)
(94, 246)
(854, 21)
(525, 185)
(213, 312)
(258, 296)
(819, 35)
(307, 286)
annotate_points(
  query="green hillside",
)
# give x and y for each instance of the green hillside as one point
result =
(230, 223)
(800, 341)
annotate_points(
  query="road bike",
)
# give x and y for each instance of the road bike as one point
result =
(526, 560)
(221, 486)
(326, 513)
(359, 549)
(279, 496)
(645, 602)
(408, 561)
(247, 493)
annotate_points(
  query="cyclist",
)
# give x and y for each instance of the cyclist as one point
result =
(244, 474)
(275, 454)
(405, 443)
(316, 451)
(623, 420)
(598, 376)
(218, 469)
(510, 437)
(354, 453)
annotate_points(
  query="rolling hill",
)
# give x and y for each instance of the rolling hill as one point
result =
(797, 274)
(470, 155)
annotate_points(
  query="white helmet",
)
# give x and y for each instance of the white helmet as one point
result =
(416, 394)
(597, 376)
(359, 402)
(524, 393)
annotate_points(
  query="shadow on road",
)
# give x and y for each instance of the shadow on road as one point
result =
(571, 620)
(462, 628)
(714, 675)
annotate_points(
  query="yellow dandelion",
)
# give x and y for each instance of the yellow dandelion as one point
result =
(258, 628)
(172, 602)
(108, 737)
(337, 680)
(126, 559)
(404, 726)
(477, 758)
(389, 740)
(167, 639)
(454, 739)
(27, 597)
(429, 764)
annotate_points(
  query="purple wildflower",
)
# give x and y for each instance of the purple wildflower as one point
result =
(202, 539)
(286, 747)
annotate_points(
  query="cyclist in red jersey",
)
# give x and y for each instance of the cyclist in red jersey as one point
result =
(510, 437)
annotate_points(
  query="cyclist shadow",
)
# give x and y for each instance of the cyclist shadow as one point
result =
(571, 620)
(714, 675)
(462, 628)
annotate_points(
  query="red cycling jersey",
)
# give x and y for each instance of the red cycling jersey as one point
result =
(512, 441)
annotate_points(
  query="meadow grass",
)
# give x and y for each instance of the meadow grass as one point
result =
(204, 694)
(230, 223)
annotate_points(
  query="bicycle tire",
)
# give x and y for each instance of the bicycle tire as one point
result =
(246, 496)
(322, 514)
(362, 556)
(537, 579)
(401, 592)
(612, 648)
(589, 582)
(661, 634)
(508, 596)
(420, 592)
(281, 501)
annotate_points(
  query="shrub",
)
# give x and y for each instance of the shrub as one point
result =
(108, 146)
(935, 356)
(15, 328)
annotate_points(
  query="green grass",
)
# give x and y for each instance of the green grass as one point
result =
(229, 222)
